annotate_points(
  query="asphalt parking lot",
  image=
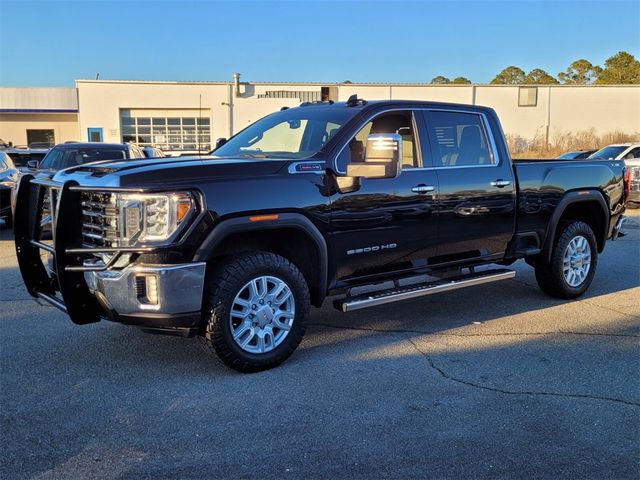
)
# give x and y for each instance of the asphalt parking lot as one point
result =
(497, 381)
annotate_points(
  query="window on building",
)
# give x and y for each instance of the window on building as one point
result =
(527, 96)
(40, 138)
(167, 133)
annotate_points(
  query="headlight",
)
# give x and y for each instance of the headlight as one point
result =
(152, 218)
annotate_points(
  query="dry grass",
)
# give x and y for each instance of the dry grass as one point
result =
(562, 142)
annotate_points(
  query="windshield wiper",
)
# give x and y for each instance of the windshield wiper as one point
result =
(253, 155)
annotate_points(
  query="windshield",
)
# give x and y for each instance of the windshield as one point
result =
(5, 161)
(294, 133)
(569, 156)
(60, 158)
(608, 153)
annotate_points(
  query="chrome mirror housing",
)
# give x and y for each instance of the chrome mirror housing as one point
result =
(382, 157)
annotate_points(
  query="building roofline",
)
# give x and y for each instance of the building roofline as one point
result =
(38, 110)
(337, 84)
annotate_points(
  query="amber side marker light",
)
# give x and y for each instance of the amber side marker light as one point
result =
(262, 218)
(183, 209)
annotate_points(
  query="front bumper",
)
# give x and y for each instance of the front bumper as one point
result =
(177, 289)
(88, 292)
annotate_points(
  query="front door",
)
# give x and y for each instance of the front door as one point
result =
(477, 191)
(95, 134)
(386, 225)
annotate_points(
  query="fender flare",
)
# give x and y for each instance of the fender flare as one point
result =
(285, 220)
(571, 198)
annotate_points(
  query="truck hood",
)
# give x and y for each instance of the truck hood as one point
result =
(166, 171)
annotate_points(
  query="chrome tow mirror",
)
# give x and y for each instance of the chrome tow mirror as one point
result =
(382, 157)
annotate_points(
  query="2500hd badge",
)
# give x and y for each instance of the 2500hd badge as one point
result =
(374, 248)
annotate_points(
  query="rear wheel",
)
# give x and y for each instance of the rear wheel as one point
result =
(573, 262)
(257, 311)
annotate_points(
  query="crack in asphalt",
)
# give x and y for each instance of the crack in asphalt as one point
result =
(467, 383)
(502, 334)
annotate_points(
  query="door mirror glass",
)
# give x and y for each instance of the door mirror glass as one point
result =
(382, 157)
(32, 164)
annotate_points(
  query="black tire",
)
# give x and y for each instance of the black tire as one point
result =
(551, 277)
(227, 281)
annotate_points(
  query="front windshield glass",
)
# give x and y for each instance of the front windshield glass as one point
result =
(569, 156)
(608, 153)
(294, 133)
(5, 161)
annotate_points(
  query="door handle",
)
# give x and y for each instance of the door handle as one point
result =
(423, 189)
(500, 183)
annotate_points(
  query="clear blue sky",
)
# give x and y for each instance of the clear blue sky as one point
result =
(54, 42)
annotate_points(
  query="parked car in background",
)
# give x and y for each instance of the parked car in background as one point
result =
(44, 145)
(618, 151)
(153, 152)
(632, 182)
(67, 155)
(8, 181)
(21, 156)
(577, 155)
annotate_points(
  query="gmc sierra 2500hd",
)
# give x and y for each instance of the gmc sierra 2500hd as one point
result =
(308, 202)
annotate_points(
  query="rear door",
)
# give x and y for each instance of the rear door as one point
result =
(477, 191)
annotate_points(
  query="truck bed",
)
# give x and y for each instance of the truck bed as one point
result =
(543, 183)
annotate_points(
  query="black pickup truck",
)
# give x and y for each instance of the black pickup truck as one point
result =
(416, 198)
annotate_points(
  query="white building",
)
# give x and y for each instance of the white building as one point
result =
(185, 116)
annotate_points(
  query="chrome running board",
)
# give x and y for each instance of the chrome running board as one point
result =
(414, 291)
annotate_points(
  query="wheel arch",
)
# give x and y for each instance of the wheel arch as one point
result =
(588, 206)
(291, 235)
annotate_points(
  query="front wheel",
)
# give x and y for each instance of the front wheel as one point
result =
(257, 311)
(573, 262)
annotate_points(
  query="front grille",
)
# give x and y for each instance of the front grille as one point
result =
(99, 219)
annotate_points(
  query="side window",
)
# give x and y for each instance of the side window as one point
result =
(395, 122)
(635, 153)
(457, 139)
